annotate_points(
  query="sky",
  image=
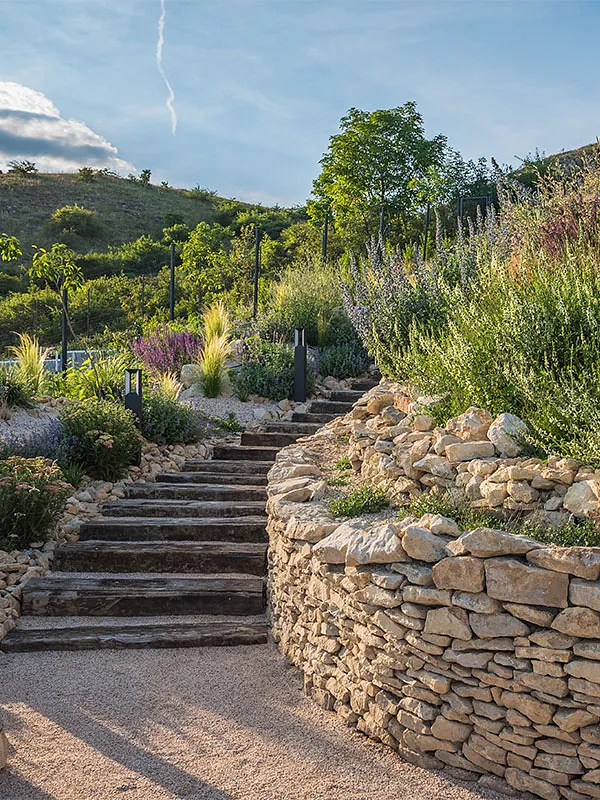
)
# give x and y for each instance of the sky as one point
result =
(241, 96)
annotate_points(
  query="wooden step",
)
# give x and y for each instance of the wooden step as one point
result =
(136, 529)
(64, 594)
(228, 466)
(275, 439)
(212, 478)
(119, 637)
(346, 395)
(181, 557)
(195, 491)
(183, 508)
(300, 428)
(329, 407)
(232, 452)
(319, 419)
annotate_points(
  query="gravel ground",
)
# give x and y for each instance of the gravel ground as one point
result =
(222, 406)
(199, 724)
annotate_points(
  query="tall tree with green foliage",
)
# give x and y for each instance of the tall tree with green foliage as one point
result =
(380, 159)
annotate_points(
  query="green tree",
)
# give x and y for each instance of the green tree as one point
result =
(380, 159)
(10, 247)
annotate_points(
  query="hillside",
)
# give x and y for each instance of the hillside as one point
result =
(126, 210)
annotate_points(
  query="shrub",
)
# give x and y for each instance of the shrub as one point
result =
(308, 296)
(366, 500)
(344, 360)
(103, 379)
(164, 350)
(103, 438)
(32, 496)
(30, 369)
(166, 421)
(267, 369)
(23, 167)
(13, 392)
(86, 174)
(74, 221)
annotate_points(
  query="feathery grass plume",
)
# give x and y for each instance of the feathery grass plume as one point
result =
(215, 321)
(168, 385)
(30, 367)
(212, 363)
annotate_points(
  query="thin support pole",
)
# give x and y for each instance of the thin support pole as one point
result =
(64, 329)
(325, 237)
(87, 319)
(382, 224)
(256, 270)
(172, 283)
(143, 309)
(427, 213)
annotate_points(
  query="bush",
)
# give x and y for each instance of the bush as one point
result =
(13, 391)
(344, 360)
(74, 221)
(32, 496)
(103, 437)
(308, 296)
(267, 369)
(366, 500)
(167, 421)
(103, 379)
(164, 350)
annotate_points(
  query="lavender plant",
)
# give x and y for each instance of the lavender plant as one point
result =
(164, 350)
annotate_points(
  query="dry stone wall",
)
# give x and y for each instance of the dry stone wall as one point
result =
(475, 652)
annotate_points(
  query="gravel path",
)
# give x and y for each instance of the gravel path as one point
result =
(199, 724)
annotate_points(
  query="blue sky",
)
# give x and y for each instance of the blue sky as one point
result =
(260, 85)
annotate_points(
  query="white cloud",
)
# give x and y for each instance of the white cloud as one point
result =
(32, 128)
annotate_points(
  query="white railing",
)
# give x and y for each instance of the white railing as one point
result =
(75, 358)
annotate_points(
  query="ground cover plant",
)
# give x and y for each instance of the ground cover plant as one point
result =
(364, 500)
(267, 369)
(166, 421)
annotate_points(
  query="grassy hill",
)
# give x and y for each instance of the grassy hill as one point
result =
(125, 210)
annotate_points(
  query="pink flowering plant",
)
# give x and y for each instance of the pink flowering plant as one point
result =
(102, 438)
(164, 350)
(32, 496)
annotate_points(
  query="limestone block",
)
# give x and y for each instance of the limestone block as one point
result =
(583, 562)
(585, 593)
(533, 709)
(378, 545)
(526, 783)
(467, 451)
(426, 595)
(522, 492)
(488, 542)
(581, 622)
(423, 545)
(452, 731)
(452, 622)
(441, 526)
(494, 493)
(436, 465)
(464, 573)
(507, 432)
(332, 549)
(581, 668)
(473, 425)
(491, 626)
(509, 579)
(581, 499)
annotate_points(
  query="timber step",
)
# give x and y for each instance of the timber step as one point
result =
(317, 419)
(248, 558)
(228, 467)
(119, 637)
(275, 439)
(329, 407)
(299, 428)
(183, 508)
(194, 491)
(346, 395)
(173, 529)
(232, 452)
(212, 478)
(64, 594)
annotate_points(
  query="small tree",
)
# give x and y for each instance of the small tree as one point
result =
(22, 167)
(10, 247)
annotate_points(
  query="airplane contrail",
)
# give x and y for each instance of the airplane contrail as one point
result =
(159, 57)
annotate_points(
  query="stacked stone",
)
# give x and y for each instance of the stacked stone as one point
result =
(474, 457)
(477, 653)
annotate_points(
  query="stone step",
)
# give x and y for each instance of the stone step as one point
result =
(183, 508)
(318, 419)
(346, 395)
(329, 407)
(273, 439)
(227, 466)
(169, 529)
(195, 491)
(246, 558)
(212, 478)
(232, 452)
(301, 428)
(64, 594)
(117, 636)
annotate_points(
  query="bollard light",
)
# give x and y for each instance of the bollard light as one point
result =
(300, 365)
(133, 393)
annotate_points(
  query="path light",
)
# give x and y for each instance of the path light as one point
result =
(133, 393)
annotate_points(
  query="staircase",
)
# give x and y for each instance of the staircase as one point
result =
(176, 563)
